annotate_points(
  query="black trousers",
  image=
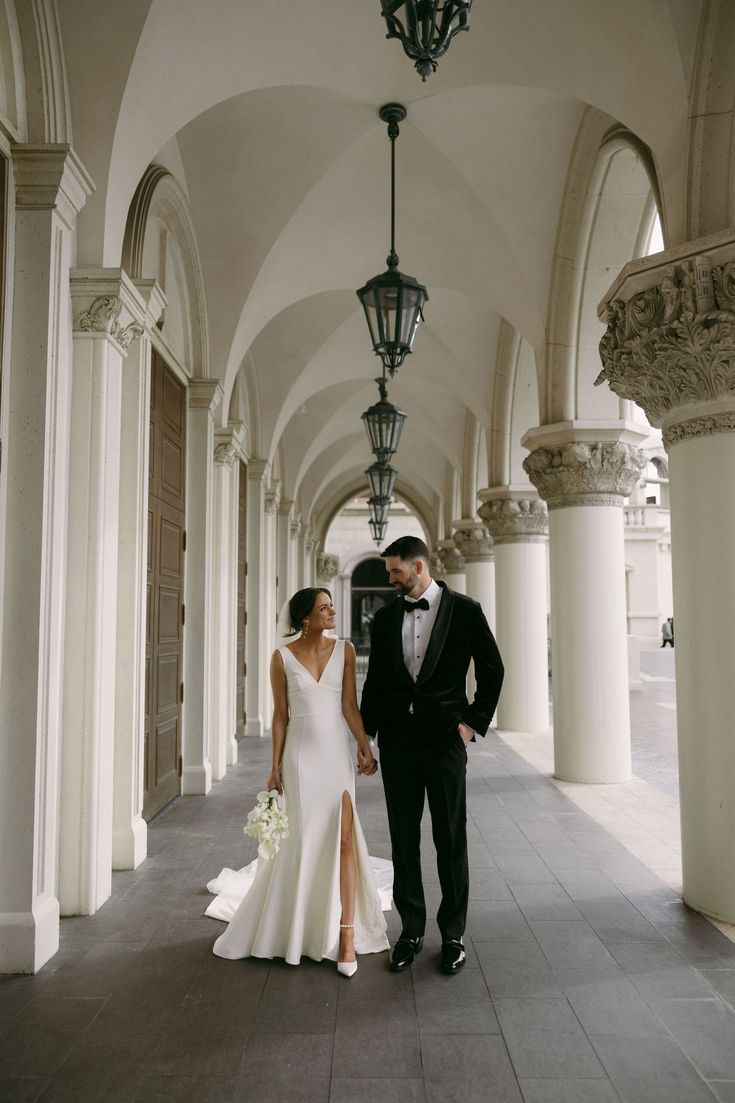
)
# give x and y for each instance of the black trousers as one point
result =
(410, 776)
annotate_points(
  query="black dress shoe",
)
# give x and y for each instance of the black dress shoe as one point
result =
(403, 953)
(453, 955)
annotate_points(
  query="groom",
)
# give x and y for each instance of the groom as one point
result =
(415, 699)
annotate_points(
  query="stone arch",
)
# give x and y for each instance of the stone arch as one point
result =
(42, 105)
(160, 244)
(323, 519)
(13, 113)
(611, 197)
(515, 407)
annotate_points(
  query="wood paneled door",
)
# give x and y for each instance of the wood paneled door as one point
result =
(242, 570)
(165, 607)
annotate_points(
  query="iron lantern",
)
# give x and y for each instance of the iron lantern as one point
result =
(393, 302)
(382, 479)
(384, 425)
(377, 530)
(426, 29)
(379, 506)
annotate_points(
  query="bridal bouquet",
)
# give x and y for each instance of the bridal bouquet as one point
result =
(267, 823)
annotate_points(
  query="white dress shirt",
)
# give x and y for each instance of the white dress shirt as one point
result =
(417, 629)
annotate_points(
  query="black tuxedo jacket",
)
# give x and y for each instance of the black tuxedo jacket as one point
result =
(438, 698)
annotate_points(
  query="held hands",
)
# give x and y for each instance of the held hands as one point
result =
(274, 781)
(366, 763)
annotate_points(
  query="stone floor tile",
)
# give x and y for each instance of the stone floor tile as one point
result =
(724, 1090)
(568, 1091)
(517, 868)
(279, 1068)
(26, 1089)
(658, 972)
(376, 1034)
(545, 901)
(455, 1005)
(705, 1030)
(570, 943)
(185, 1089)
(618, 921)
(606, 1002)
(516, 969)
(378, 1090)
(497, 921)
(36, 1043)
(650, 1070)
(722, 981)
(374, 979)
(205, 1037)
(474, 1071)
(545, 1040)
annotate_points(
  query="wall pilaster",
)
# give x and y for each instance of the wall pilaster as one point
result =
(51, 187)
(256, 631)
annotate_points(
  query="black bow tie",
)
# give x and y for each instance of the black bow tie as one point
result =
(412, 606)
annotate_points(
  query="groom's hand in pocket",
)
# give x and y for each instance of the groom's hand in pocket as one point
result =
(466, 733)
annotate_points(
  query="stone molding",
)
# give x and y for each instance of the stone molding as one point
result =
(584, 473)
(50, 178)
(225, 451)
(257, 469)
(154, 299)
(105, 302)
(474, 542)
(516, 520)
(272, 499)
(103, 317)
(671, 347)
(327, 566)
(205, 394)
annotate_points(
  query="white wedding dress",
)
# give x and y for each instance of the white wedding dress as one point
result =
(289, 906)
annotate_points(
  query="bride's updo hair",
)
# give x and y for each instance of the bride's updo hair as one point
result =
(301, 604)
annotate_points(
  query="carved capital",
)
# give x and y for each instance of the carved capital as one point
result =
(474, 542)
(103, 316)
(450, 557)
(50, 177)
(106, 303)
(272, 499)
(670, 347)
(225, 452)
(436, 565)
(516, 520)
(585, 473)
(327, 567)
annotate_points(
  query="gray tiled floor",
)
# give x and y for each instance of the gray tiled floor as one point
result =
(587, 981)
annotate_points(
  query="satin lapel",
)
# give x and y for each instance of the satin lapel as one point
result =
(438, 635)
(396, 642)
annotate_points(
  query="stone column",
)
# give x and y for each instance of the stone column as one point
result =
(284, 582)
(269, 593)
(129, 830)
(108, 314)
(310, 559)
(584, 477)
(519, 527)
(51, 186)
(205, 396)
(670, 346)
(475, 546)
(223, 628)
(453, 566)
(301, 554)
(255, 633)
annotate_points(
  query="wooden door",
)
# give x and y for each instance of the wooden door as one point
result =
(242, 570)
(165, 609)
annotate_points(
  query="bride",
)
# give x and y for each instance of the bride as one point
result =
(318, 896)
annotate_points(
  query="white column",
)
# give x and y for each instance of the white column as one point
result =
(454, 566)
(475, 546)
(108, 314)
(310, 553)
(224, 601)
(519, 527)
(268, 596)
(296, 566)
(669, 346)
(584, 482)
(205, 396)
(301, 554)
(129, 830)
(285, 587)
(238, 435)
(51, 186)
(255, 628)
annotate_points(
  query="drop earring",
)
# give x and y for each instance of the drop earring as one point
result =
(305, 630)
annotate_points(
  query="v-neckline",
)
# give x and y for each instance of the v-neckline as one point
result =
(316, 681)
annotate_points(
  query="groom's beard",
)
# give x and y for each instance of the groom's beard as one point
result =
(404, 588)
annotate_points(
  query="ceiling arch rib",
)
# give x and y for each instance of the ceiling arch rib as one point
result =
(336, 498)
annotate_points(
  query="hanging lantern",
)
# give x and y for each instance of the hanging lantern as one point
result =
(379, 507)
(384, 425)
(382, 479)
(393, 303)
(377, 530)
(426, 29)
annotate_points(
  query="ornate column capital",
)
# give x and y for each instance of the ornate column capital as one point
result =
(225, 448)
(205, 394)
(436, 565)
(285, 506)
(670, 338)
(516, 520)
(106, 303)
(272, 498)
(450, 557)
(473, 541)
(327, 567)
(584, 473)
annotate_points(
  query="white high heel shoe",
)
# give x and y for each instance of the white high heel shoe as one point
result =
(347, 968)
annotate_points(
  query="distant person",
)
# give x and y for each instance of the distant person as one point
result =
(667, 632)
